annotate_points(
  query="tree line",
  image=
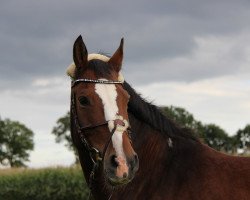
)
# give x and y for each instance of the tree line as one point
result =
(16, 140)
(211, 134)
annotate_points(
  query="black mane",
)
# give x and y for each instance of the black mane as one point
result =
(151, 115)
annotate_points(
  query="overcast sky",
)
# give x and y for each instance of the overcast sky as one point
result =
(193, 54)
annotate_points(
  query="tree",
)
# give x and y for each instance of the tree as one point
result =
(211, 134)
(1, 140)
(183, 118)
(62, 132)
(243, 138)
(217, 138)
(16, 142)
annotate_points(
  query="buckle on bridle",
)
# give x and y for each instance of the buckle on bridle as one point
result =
(95, 155)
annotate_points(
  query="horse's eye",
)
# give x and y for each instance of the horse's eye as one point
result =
(84, 101)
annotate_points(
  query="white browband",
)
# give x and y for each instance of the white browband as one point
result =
(95, 81)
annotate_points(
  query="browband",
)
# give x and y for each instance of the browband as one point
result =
(95, 81)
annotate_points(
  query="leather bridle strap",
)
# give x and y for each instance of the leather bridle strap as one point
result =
(100, 159)
(94, 154)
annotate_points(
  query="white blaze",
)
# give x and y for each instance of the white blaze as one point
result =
(108, 95)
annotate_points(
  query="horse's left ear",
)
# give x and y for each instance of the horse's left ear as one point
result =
(80, 54)
(116, 60)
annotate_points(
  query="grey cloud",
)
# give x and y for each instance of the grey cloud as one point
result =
(37, 36)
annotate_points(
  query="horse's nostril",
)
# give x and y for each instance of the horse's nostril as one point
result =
(136, 157)
(113, 161)
(125, 175)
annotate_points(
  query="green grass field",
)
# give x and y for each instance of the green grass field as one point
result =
(43, 184)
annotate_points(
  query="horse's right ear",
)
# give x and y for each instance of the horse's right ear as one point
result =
(80, 54)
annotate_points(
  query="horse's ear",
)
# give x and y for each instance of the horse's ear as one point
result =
(80, 54)
(116, 60)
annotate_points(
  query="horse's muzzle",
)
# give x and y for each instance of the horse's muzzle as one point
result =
(120, 171)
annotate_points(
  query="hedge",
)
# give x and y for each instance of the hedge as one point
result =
(43, 184)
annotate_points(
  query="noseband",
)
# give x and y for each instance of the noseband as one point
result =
(95, 155)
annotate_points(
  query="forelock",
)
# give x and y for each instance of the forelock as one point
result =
(94, 56)
(99, 64)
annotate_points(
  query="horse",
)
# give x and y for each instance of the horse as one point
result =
(129, 150)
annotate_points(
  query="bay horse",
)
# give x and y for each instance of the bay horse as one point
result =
(113, 129)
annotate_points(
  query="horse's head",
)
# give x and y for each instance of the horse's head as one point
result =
(99, 112)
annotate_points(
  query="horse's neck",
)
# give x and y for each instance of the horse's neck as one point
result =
(162, 161)
(159, 166)
(150, 145)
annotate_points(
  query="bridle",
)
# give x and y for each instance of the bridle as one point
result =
(80, 129)
(95, 155)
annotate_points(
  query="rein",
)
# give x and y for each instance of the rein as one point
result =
(94, 154)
